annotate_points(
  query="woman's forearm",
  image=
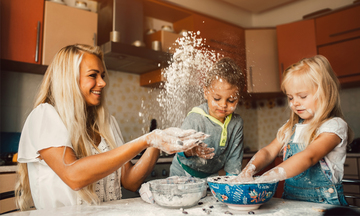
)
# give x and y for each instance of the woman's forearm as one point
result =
(78, 173)
(134, 175)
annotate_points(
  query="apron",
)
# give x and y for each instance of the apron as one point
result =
(314, 184)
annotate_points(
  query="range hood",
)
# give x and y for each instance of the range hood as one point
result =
(121, 37)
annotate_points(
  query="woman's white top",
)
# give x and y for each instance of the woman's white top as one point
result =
(44, 129)
(336, 158)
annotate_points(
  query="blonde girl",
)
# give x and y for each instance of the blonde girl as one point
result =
(71, 150)
(313, 140)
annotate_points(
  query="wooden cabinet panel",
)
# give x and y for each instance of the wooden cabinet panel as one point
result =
(8, 181)
(223, 38)
(7, 205)
(350, 168)
(262, 61)
(338, 26)
(78, 26)
(295, 42)
(21, 30)
(344, 59)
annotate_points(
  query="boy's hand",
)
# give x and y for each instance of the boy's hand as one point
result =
(201, 151)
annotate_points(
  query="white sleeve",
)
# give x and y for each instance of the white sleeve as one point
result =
(119, 140)
(337, 126)
(43, 129)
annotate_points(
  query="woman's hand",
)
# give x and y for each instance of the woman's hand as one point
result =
(201, 151)
(174, 140)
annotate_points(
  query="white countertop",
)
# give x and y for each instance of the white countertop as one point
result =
(137, 207)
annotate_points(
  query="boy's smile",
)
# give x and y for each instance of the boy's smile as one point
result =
(222, 99)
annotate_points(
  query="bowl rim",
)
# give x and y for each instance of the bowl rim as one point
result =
(210, 179)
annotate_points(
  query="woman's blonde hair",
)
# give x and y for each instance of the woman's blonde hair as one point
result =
(60, 88)
(317, 74)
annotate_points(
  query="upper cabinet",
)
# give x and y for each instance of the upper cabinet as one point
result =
(295, 41)
(262, 61)
(222, 37)
(338, 39)
(34, 31)
(335, 35)
(78, 26)
(21, 30)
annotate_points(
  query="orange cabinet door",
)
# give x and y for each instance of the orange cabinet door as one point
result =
(295, 41)
(339, 26)
(344, 59)
(21, 30)
(223, 38)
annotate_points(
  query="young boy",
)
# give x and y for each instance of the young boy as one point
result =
(224, 147)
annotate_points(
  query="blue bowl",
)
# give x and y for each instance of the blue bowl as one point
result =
(241, 196)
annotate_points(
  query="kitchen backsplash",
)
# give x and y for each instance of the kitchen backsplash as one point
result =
(125, 96)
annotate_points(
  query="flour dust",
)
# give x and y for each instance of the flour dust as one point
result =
(183, 88)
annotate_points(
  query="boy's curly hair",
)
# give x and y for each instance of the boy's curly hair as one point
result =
(226, 69)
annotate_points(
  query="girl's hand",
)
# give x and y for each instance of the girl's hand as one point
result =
(174, 140)
(247, 174)
(274, 175)
(201, 151)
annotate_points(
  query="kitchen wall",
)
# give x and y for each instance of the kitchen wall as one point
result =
(18, 92)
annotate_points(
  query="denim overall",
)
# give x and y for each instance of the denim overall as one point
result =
(312, 185)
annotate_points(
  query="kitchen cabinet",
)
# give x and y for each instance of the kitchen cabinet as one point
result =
(78, 26)
(21, 30)
(33, 31)
(344, 58)
(338, 39)
(222, 37)
(295, 41)
(338, 26)
(262, 61)
(152, 78)
(7, 185)
(352, 171)
(335, 35)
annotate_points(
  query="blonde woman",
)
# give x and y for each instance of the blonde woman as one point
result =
(71, 150)
(313, 140)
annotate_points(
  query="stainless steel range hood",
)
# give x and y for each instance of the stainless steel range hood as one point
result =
(120, 25)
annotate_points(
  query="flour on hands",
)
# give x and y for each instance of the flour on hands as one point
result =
(174, 140)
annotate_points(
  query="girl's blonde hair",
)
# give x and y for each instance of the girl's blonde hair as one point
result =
(60, 88)
(317, 74)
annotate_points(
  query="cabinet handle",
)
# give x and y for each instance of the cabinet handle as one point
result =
(251, 79)
(37, 42)
(344, 32)
(94, 38)
(346, 165)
